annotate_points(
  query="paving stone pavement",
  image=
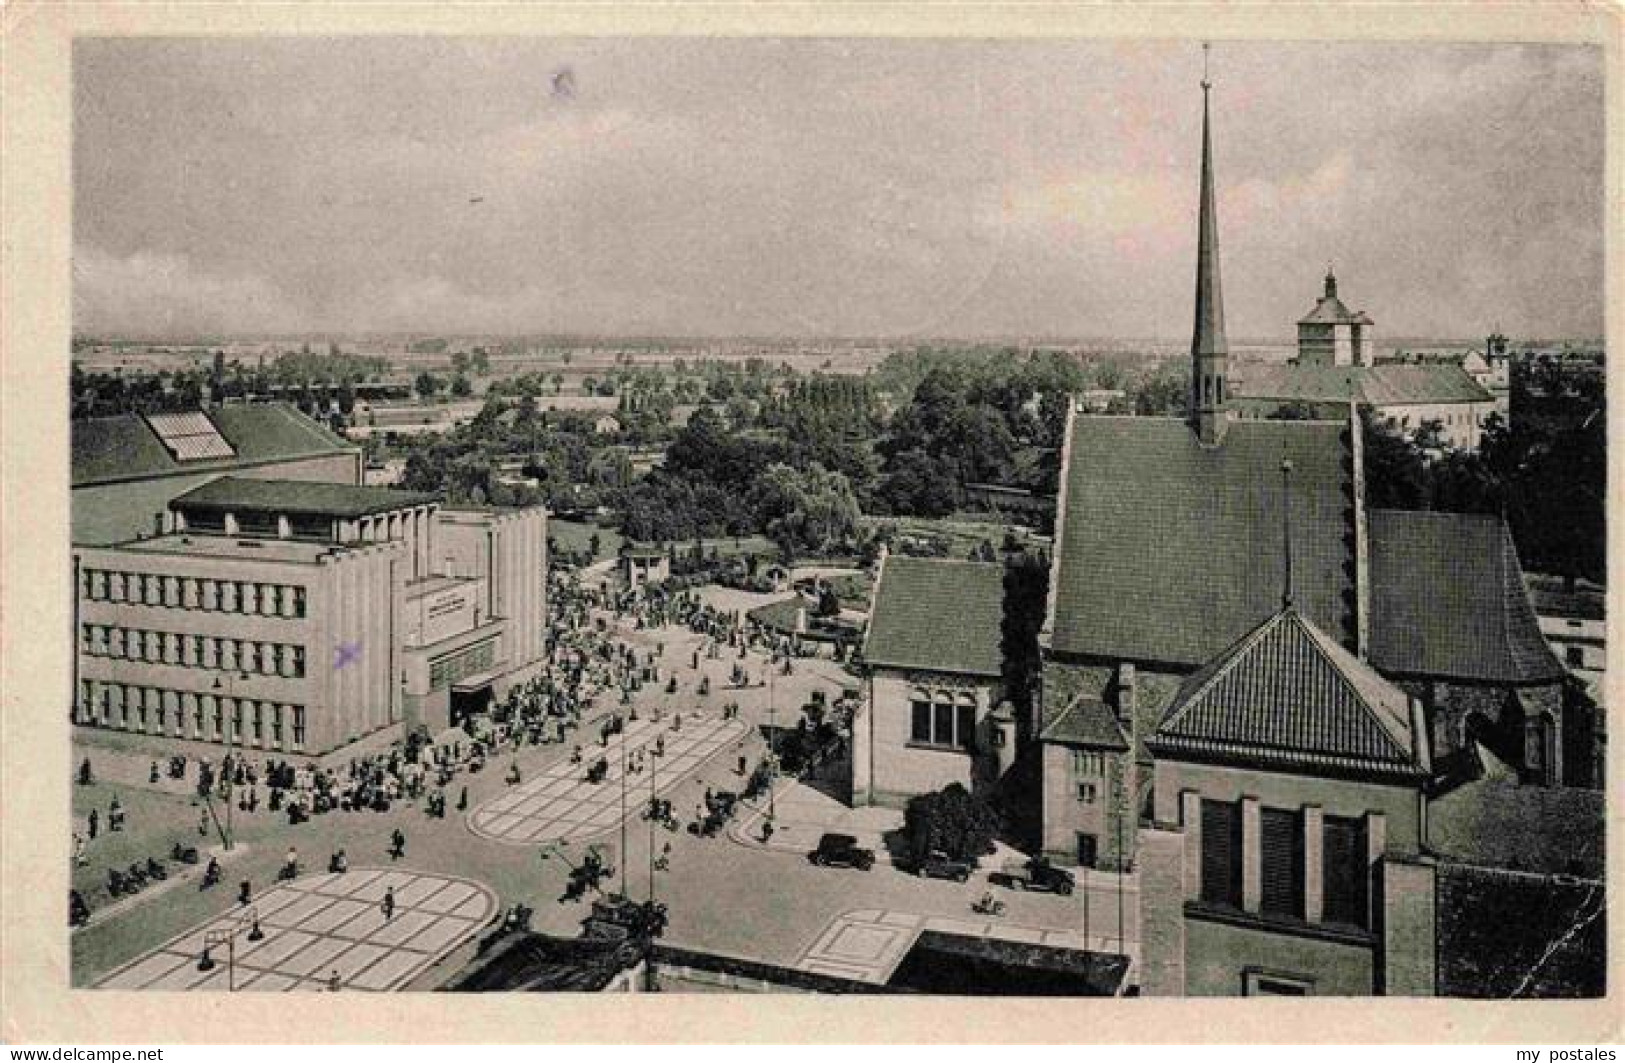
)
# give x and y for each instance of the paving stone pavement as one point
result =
(316, 925)
(560, 803)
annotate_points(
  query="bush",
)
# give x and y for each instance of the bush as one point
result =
(954, 821)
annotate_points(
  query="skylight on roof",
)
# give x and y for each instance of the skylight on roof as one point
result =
(190, 436)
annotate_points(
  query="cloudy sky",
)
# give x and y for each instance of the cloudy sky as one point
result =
(827, 188)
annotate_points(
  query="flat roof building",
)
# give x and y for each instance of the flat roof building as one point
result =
(292, 615)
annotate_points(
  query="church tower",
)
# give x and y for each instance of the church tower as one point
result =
(1209, 349)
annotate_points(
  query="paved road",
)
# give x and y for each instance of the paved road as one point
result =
(319, 924)
(560, 803)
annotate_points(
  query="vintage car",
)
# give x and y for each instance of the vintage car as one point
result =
(841, 850)
(1037, 874)
(938, 864)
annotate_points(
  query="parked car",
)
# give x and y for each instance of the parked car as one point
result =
(841, 850)
(938, 864)
(1037, 874)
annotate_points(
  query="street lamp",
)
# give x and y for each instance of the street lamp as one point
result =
(233, 741)
(228, 938)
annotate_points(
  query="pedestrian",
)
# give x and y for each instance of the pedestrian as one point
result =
(333, 982)
(152, 776)
(78, 850)
(397, 847)
(203, 823)
(290, 863)
(388, 904)
(94, 823)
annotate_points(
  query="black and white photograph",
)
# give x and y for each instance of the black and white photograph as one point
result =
(834, 515)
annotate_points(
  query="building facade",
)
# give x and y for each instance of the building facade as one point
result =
(934, 682)
(299, 616)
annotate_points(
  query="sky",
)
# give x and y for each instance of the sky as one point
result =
(824, 188)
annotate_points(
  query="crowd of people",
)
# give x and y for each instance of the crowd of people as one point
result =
(585, 661)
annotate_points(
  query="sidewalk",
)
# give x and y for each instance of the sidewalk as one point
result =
(803, 814)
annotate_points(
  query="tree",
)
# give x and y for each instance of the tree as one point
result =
(426, 385)
(829, 603)
(953, 821)
(461, 387)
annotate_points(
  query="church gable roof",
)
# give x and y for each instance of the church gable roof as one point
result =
(937, 615)
(1168, 550)
(1287, 693)
(1448, 600)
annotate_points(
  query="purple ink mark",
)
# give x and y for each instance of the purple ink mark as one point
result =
(344, 653)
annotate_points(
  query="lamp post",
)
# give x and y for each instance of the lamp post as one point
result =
(772, 749)
(227, 682)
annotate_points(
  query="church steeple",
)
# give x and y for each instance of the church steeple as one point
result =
(1209, 349)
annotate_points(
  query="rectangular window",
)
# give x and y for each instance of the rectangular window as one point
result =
(1087, 793)
(258, 723)
(87, 638)
(966, 724)
(299, 601)
(208, 598)
(1281, 852)
(172, 591)
(942, 724)
(115, 586)
(219, 720)
(1088, 762)
(1088, 850)
(298, 727)
(276, 726)
(1256, 983)
(1346, 871)
(299, 662)
(921, 729)
(1221, 853)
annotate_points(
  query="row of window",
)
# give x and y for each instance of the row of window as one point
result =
(201, 717)
(1088, 768)
(943, 719)
(187, 592)
(1345, 863)
(449, 669)
(193, 651)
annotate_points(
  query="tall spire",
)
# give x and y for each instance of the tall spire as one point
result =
(1209, 349)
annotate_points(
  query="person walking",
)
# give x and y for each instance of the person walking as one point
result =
(93, 824)
(388, 904)
(397, 846)
(78, 850)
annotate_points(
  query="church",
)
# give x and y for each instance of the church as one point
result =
(1176, 539)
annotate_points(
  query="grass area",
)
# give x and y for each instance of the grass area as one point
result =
(577, 535)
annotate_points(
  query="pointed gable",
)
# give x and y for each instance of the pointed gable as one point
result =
(1286, 694)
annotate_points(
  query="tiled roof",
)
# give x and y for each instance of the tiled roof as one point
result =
(1374, 385)
(937, 615)
(1448, 600)
(1169, 551)
(297, 497)
(1086, 722)
(125, 447)
(1286, 692)
(1329, 310)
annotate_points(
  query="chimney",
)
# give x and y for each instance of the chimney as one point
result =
(1127, 691)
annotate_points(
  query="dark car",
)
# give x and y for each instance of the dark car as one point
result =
(1039, 875)
(841, 850)
(938, 864)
